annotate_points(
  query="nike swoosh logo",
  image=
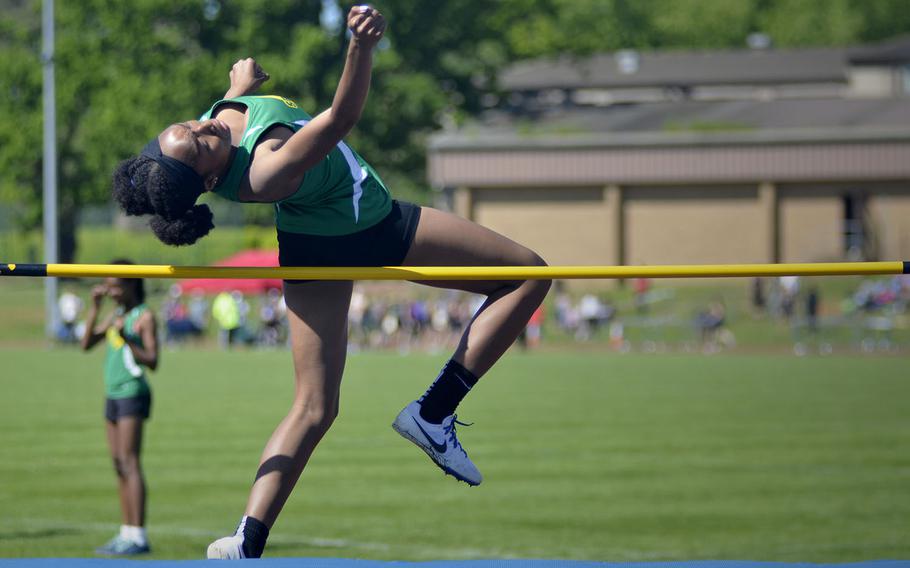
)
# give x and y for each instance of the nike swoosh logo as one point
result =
(441, 448)
(250, 131)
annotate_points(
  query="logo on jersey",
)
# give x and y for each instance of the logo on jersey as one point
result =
(288, 102)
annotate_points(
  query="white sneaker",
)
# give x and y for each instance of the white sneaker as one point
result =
(226, 548)
(119, 546)
(439, 442)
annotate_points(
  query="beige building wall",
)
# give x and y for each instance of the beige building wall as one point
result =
(564, 225)
(872, 81)
(889, 213)
(695, 225)
(811, 223)
(637, 225)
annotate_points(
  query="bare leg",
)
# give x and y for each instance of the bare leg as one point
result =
(317, 317)
(113, 445)
(443, 239)
(132, 481)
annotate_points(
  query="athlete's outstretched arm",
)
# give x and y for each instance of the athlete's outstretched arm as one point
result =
(367, 26)
(285, 165)
(246, 76)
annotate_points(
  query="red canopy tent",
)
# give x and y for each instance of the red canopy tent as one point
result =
(245, 285)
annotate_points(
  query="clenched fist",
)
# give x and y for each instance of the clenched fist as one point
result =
(367, 25)
(247, 76)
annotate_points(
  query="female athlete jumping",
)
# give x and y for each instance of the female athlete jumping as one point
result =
(332, 209)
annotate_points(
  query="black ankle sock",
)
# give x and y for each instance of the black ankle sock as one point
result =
(255, 533)
(449, 388)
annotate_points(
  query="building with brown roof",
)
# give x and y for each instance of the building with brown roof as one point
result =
(674, 158)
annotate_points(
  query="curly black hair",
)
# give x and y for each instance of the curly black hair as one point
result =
(142, 187)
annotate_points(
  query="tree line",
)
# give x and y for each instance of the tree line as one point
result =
(125, 70)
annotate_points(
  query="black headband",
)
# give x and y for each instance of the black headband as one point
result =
(181, 174)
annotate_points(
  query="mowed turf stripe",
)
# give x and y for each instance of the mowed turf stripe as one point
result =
(586, 456)
(33, 524)
(429, 551)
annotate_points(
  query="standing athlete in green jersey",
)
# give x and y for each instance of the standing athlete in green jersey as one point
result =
(331, 210)
(132, 343)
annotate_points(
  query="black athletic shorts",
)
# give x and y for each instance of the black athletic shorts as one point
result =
(384, 244)
(117, 408)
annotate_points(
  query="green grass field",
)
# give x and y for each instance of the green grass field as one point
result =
(585, 456)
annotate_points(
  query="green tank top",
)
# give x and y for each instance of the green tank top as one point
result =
(340, 195)
(123, 377)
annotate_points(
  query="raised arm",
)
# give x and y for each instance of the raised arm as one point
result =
(94, 332)
(282, 167)
(246, 76)
(367, 26)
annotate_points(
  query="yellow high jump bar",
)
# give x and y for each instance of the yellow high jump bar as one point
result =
(456, 272)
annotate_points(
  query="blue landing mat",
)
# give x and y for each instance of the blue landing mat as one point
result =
(345, 563)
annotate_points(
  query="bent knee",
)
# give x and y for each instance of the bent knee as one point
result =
(539, 287)
(527, 257)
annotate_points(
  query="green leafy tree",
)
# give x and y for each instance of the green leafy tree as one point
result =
(813, 22)
(884, 19)
(20, 103)
(701, 23)
(535, 28)
(124, 71)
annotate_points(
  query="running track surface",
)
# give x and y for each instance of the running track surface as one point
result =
(351, 563)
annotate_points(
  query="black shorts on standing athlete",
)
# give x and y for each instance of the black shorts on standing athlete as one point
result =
(117, 408)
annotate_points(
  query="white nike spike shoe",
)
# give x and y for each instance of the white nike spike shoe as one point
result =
(226, 548)
(439, 442)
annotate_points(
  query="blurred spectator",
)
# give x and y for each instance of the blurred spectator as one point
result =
(617, 337)
(757, 296)
(243, 310)
(372, 320)
(177, 323)
(562, 305)
(592, 313)
(569, 318)
(357, 333)
(789, 288)
(199, 310)
(531, 335)
(441, 323)
(710, 324)
(271, 316)
(641, 286)
(420, 318)
(812, 310)
(227, 314)
(390, 325)
(803, 345)
(69, 305)
(878, 305)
